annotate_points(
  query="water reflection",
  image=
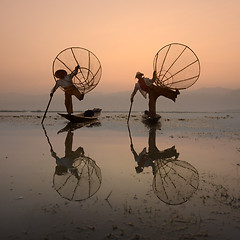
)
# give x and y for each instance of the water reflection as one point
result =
(71, 126)
(76, 177)
(174, 180)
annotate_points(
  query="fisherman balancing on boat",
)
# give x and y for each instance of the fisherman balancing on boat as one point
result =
(146, 86)
(65, 81)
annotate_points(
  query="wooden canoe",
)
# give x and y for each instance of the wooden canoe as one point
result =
(81, 117)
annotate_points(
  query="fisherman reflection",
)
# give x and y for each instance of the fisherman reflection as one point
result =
(146, 159)
(65, 163)
(174, 181)
(77, 177)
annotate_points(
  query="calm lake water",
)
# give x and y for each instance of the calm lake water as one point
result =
(107, 180)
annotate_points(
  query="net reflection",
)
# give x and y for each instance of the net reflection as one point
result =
(77, 177)
(174, 180)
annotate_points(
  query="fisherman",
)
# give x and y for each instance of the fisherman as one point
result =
(66, 163)
(146, 86)
(65, 81)
(147, 158)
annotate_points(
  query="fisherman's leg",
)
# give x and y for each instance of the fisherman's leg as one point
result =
(68, 143)
(68, 103)
(152, 104)
(152, 139)
(152, 148)
(167, 92)
(78, 153)
(77, 94)
(168, 153)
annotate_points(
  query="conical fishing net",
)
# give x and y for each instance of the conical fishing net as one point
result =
(177, 66)
(174, 181)
(80, 182)
(90, 70)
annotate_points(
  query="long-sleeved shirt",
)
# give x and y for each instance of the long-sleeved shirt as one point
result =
(64, 82)
(137, 87)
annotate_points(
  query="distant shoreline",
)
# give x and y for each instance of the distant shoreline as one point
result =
(112, 111)
(202, 100)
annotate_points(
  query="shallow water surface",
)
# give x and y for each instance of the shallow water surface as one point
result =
(106, 180)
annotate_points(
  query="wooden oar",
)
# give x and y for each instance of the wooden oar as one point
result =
(130, 111)
(47, 108)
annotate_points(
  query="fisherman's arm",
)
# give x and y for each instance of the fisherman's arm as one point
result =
(54, 89)
(154, 78)
(54, 155)
(75, 71)
(149, 81)
(136, 157)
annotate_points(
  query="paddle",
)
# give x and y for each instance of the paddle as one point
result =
(47, 108)
(130, 111)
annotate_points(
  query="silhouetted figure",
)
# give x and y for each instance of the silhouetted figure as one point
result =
(146, 159)
(65, 163)
(174, 181)
(77, 177)
(147, 86)
(65, 81)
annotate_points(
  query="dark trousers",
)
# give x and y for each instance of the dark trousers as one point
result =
(154, 92)
(69, 91)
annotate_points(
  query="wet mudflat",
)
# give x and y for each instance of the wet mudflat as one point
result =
(176, 180)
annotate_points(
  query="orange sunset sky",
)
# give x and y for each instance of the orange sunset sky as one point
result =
(124, 34)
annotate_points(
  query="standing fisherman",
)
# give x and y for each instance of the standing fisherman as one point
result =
(65, 81)
(146, 86)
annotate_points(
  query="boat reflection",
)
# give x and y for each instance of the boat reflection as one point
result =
(77, 177)
(71, 126)
(174, 180)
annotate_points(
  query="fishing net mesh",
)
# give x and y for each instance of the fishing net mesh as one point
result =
(90, 70)
(177, 66)
(81, 182)
(174, 181)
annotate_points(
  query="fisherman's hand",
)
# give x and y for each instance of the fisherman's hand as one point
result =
(155, 75)
(77, 67)
(53, 154)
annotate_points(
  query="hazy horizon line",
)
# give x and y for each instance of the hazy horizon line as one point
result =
(121, 91)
